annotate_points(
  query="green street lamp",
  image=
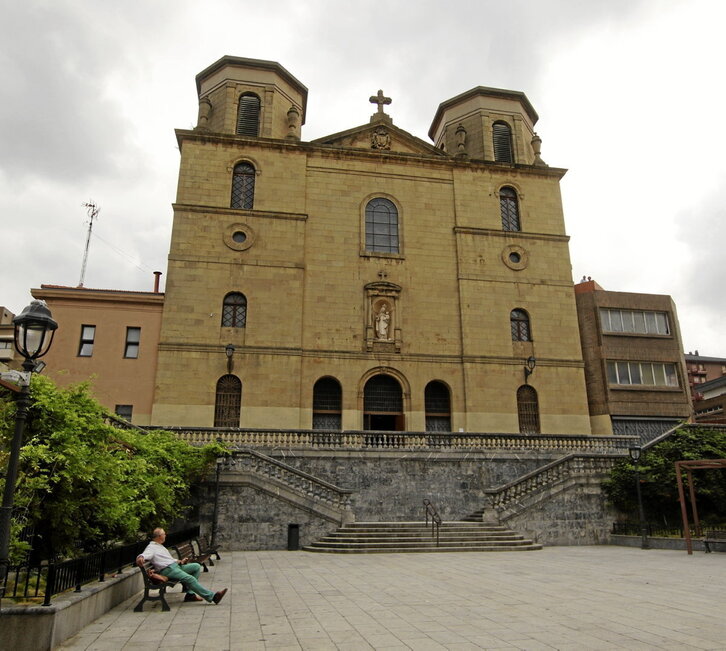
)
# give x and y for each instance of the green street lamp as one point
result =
(34, 330)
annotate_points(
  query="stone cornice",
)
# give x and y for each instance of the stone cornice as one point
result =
(377, 155)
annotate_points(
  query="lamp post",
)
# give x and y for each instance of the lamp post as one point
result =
(635, 456)
(215, 513)
(34, 330)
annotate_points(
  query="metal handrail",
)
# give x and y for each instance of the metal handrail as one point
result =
(430, 509)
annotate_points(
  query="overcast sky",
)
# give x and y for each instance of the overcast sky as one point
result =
(629, 94)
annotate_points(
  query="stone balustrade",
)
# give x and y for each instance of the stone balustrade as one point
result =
(572, 465)
(298, 481)
(368, 440)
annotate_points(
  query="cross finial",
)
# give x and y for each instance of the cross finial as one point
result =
(379, 99)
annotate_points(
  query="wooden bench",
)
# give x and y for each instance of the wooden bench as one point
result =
(712, 537)
(186, 552)
(204, 547)
(150, 586)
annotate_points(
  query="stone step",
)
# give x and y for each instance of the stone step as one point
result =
(397, 542)
(375, 537)
(411, 550)
(338, 535)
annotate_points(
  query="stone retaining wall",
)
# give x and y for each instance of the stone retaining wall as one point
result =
(42, 628)
(391, 486)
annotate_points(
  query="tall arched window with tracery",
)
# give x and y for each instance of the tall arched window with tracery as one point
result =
(381, 226)
(234, 310)
(243, 186)
(438, 407)
(509, 209)
(327, 404)
(528, 410)
(519, 322)
(228, 401)
(502, 137)
(248, 115)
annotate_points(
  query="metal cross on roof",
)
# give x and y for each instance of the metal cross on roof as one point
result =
(379, 99)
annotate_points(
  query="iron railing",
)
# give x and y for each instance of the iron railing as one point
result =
(430, 511)
(50, 578)
(629, 528)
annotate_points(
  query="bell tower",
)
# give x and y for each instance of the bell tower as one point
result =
(250, 97)
(489, 124)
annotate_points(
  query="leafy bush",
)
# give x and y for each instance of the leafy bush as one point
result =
(659, 486)
(83, 482)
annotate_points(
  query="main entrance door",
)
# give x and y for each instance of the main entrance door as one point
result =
(383, 405)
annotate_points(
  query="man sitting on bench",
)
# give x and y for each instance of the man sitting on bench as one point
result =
(186, 573)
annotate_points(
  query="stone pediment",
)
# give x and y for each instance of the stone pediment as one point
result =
(382, 136)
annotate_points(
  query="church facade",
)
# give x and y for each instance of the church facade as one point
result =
(367, 280)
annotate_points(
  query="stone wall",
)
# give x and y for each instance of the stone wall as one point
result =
(391, 487)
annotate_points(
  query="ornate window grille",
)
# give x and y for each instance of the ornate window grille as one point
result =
(502, 137)
(519, 321)
(243, 186)
(327, 401)
(509, 208)
(248, 115)
(234, 311)
(381, 226)
(228, 401)
(528, 410)
(438, 407)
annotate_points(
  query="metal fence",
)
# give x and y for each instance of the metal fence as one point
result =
(659, 530)
(51, 578)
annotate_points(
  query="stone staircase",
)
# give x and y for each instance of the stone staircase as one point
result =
(390, 537)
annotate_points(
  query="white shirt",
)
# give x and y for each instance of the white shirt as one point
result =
(158, 555)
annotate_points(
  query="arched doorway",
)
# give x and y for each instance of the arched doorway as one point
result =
(383, 405)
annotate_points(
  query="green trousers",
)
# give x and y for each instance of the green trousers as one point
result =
(187, 575)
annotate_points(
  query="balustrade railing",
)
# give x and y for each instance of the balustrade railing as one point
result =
(371, 440)
(502, 497)
(298, 480)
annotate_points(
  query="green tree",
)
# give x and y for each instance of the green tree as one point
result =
(658, 478)
(83, 482)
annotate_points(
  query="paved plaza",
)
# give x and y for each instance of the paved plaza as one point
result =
(595, 597)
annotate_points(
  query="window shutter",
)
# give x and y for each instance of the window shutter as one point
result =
(248, 115)
(502, 135)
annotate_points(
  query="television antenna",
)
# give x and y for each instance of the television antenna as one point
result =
(93, 211)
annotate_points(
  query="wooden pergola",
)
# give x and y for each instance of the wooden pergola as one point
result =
(689, 467)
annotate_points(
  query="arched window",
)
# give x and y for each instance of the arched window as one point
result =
(502, 136)
(234, 311)
(228, 401)
(243, 186)
(248, 115)
(438, 407)
(381, 226)
(383, 404)
(519, 321)
(327, 401)
(528, 410)
(509, 208)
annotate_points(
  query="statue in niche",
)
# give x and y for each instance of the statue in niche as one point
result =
(383, 321)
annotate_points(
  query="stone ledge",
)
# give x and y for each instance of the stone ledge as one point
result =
(45, 627)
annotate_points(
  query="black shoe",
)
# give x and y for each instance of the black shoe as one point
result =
(218, 596)
(192, 597)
